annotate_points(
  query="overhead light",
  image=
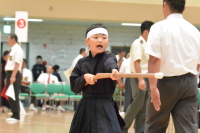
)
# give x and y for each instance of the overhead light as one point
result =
(36, 20)
(131, 24)
(33, 20)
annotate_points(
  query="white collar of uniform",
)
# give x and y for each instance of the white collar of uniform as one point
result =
(175, 15)
(141, 38)
(14, 46)
(80, 55)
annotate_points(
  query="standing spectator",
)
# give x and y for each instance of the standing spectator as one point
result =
(82, 54)
(38, 68)
(4, 58)
(55, 72)
(12, 68)
(125, 68)
(174, 49)
(140, 86)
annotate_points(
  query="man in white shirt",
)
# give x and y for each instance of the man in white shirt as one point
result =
(174, 48)
(125, 68)
(47, 78)
(12, 68)
(27, 79)
(138, 64)
(82, 54)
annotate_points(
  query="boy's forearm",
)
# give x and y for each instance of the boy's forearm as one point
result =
(15, 70)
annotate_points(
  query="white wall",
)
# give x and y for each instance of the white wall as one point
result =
(70, 38)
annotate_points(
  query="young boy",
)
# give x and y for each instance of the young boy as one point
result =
(96, 112)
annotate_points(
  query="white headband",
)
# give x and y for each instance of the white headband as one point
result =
(97, 31)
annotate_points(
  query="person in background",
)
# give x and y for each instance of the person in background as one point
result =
(82, 53)
(55, 72)
(125, 68)
(47, 78)
(38, 68)
(139, 86)
(27, 78)
(12, 68)
(4, 58)
(128, 56)
(107, 52)
(120, 57)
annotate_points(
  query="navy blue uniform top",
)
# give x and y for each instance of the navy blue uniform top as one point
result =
(101, 63)
(58, 76)
(37, 70)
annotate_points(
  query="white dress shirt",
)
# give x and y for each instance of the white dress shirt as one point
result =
(15, 56)
(43, 78)
(117, 56)
(137, 53)
(125, 67)
(26, 76)
(76, 60)
(177, 43)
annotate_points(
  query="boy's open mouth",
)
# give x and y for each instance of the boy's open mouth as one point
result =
(99, 46)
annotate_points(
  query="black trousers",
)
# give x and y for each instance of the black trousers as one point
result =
(25, 89)
(178, 96)
(14, 104)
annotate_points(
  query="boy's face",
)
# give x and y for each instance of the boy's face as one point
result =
(97, 43)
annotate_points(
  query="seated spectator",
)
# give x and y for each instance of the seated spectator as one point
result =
(27, 78)
(55, 72)
(47, 78)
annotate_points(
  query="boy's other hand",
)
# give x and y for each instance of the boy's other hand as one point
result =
(114, 71)
(89, 78)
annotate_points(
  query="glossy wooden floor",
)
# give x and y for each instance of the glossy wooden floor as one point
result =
(45, 122)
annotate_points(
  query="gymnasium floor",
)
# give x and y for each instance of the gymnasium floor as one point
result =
(44, 122)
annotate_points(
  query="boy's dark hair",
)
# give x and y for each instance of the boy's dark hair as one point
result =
(121, 51)
(176, 6)
(14, 36)
(25, 60)
(146, 25)
(39, 57)
(82, 50)
(93, 26)
(56, 67)
(5, 53)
